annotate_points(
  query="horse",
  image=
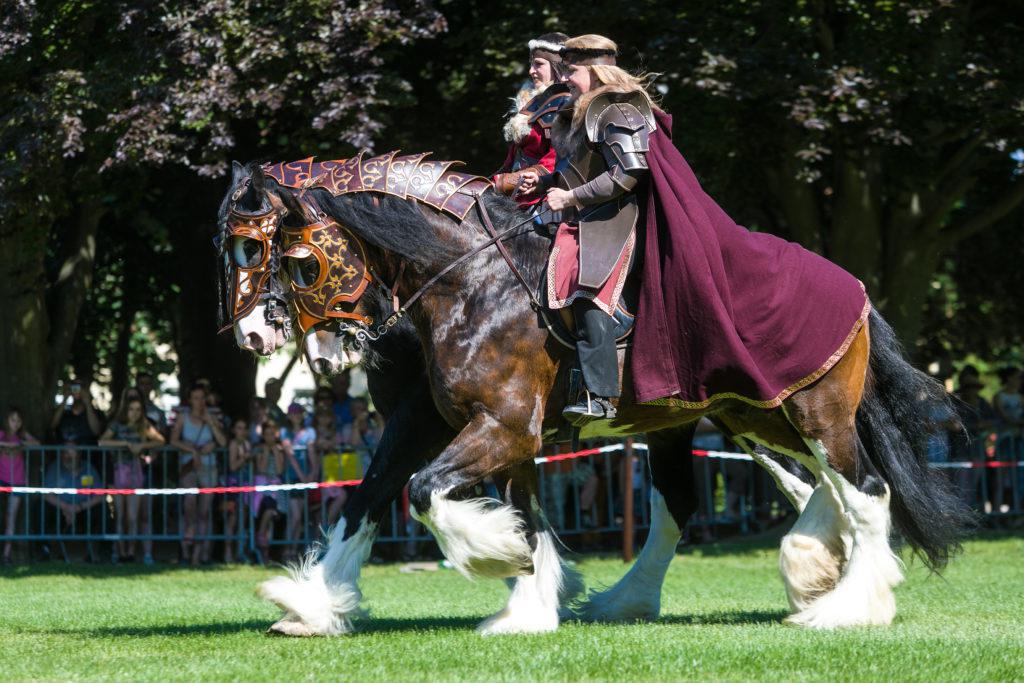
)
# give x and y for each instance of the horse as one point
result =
(414, 433)
(497, 379)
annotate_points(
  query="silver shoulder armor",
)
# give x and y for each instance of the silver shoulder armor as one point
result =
(624, 136)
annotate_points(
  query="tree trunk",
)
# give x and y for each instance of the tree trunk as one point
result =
(23, 348)
(202, 352)
(38, 336)
(119, 370)
(67, 293)
(855, 239)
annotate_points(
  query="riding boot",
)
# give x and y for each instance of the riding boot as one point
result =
(598, 361)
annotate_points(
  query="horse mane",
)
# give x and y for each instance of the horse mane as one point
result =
(400, 227)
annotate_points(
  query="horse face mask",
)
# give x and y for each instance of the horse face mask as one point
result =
(326, 266)
(250, 258)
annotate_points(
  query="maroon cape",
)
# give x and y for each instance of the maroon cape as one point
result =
(725, 312)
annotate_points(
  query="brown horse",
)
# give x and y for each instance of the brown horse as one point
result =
(499, 380)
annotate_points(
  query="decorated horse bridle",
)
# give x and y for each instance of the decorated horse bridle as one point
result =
(251, 260)
(326, 266)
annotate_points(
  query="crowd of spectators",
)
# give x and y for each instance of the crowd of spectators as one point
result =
(986, 435)
(198, 445)
(127, 449)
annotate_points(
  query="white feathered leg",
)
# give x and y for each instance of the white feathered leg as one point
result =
(323, 598)
(863, 594)
(479, 536)
(533, 606)
(637, 595)
(812, 555)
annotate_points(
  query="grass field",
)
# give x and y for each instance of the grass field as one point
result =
(721, 620)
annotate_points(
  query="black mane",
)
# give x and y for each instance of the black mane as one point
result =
(398, 226)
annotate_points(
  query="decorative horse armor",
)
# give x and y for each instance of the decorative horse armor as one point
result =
(409, 177)
(325, 262)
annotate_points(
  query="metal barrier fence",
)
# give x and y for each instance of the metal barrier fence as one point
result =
(585, 499)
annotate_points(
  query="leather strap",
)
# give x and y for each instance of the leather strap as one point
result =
(495, 239)
(489, 226)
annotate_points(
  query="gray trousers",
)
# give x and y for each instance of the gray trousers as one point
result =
(596, 348)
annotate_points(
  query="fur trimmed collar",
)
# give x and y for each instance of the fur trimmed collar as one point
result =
(517, 127)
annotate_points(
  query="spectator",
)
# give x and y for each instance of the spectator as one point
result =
(303, 467)
(71, 471)
(362, 434)
(272, 393)
(12, 468)
(213, 402)
(559, 477)
(78, 422)
(941, 423)
(239, 459)
(341, 400)
(270, 455)
(1009, 408)
(977, 417)
(196, 434)
(330, 452)
(257, 416)
(132, 434)
(144, 383)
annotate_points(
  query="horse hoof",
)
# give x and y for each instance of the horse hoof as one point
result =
(504, 623)
(288, 627)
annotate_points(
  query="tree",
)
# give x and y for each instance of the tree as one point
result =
(861, 129)
(103, 98)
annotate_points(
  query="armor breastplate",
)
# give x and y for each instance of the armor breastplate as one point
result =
(604, 228)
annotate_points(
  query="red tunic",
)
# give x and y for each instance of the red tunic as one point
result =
(534, 149)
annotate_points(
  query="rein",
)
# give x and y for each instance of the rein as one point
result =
(364, 334)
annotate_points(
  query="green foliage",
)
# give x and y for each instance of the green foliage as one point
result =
(877, 132)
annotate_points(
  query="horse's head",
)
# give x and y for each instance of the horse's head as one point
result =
(253, 301)
(325, 268)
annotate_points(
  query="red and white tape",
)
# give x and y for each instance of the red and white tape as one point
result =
(272, 488)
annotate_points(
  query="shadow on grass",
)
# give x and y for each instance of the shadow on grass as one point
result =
(208, 629)
(384, 625)
(767, 616)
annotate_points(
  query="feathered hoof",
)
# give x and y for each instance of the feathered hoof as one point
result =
(289, 627)
(612, 607)
(478, 537)
(522, 621)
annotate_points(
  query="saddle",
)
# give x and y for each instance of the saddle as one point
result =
(561, 323)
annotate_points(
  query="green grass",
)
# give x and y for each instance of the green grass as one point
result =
(722, 613)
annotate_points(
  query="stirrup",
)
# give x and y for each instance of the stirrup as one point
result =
(589, 409)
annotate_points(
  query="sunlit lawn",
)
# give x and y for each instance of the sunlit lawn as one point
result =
(723, 607)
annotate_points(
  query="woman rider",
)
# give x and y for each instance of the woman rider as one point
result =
(603, 138)
(528, 129)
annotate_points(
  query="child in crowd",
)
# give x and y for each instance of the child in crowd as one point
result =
(303, 467)
(238, 474)
(12, 468)
(331, 448)
(271, 455)
(131, 433)
(197, 433)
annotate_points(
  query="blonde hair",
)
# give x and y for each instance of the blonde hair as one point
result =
(607, 77)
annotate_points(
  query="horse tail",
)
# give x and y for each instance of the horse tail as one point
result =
(893, 419)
